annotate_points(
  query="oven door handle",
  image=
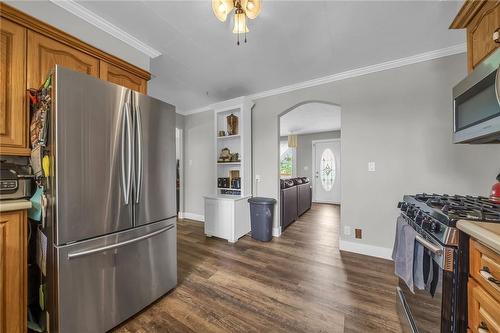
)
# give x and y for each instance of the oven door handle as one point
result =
(428, 245)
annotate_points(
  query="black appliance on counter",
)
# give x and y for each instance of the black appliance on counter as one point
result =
(15, 181)
(434, 217)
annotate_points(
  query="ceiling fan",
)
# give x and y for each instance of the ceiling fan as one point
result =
(242, 10)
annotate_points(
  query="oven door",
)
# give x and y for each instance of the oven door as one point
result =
(420, 312)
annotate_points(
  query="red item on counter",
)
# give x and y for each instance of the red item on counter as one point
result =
(495, 191)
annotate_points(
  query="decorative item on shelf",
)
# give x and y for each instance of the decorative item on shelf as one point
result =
(230, 192)
(242, 10)
(223, 182)
(232, 124)
(222, 133)
(234, 174)
(236, 183)
(225, 155)
(235, 157)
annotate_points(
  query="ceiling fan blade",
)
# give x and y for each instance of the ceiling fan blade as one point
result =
(251, 7)
(222, 8)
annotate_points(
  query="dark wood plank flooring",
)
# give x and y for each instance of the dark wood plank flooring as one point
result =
(299, 282)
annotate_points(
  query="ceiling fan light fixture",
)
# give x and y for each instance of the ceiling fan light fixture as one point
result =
(251, 7)
(240, 24)
(222, 8)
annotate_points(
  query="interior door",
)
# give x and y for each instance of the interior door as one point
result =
(93, 163)
(155, 163)
(326, 184)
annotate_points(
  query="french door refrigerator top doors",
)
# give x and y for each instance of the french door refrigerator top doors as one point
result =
(154, 184)
(92, 132)
(115, 158)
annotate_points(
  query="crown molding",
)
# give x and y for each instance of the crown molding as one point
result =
(80, 11)
(421, 57)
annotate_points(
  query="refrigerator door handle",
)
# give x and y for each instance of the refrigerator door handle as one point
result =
(126, 148)
(74, 255)
(138, 127)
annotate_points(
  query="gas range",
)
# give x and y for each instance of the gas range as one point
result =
(437, 214)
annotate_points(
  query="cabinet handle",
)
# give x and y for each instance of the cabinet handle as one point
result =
(483, 328)
(485, 273)
(496, 36)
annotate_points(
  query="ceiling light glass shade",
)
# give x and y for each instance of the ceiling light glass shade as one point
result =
(251, 8)
(292, 141)
(222, 8)
(240, 24)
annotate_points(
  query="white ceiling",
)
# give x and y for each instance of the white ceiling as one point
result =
(290, 42)
(310, 118)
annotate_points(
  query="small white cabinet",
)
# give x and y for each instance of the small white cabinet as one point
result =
(227, 217)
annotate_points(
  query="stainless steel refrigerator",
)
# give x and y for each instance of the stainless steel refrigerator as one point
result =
(111, 222)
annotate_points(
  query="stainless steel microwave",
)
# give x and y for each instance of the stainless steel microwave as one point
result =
(476, 104)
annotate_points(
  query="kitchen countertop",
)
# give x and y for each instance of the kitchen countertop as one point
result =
(486, 233)
(10, 205)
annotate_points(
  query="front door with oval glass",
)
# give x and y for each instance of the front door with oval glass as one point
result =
(326, 177)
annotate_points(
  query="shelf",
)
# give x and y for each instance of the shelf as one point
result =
(228, 163)
(228, 137)
(229, 188)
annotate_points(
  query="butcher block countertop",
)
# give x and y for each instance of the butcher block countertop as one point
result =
(10, 205)
(486, 233)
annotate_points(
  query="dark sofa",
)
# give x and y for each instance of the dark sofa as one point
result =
(295, 199)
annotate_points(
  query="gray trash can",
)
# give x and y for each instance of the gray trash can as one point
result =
(261, 213)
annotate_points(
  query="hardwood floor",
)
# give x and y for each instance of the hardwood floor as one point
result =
(299, 282)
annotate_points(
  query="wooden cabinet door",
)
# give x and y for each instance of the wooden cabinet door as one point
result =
(119, 76)
(13, 109)
(13, 272)
(480, 42)
(44, 53)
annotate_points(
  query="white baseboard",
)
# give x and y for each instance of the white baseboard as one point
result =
(368, 250)
(276, 231)
(191, 216)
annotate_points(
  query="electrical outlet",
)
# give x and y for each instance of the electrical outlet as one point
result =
(347, 230)
(358, 233)
(371, 166)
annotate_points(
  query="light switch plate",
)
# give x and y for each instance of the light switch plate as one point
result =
(258, 178)
(371, 166)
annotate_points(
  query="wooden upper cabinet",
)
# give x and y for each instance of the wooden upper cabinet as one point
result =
(119, 76)
(13, 109)
(482, 20)
(44, 53)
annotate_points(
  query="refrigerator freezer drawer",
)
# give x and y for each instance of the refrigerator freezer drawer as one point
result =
(104, 281)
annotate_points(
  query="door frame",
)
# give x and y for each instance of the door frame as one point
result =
(181, 170)
(313, 182)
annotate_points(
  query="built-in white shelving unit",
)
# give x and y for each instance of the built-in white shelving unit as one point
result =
(226, 210)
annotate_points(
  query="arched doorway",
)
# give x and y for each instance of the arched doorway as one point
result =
(309, 144)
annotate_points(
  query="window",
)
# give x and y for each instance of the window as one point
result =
(327, 169)
(287, 160)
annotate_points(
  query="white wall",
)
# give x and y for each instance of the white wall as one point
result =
(399, 118)
(199, 170)
(71, 24)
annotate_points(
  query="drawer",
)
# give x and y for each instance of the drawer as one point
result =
(484, 259)
(484, 310)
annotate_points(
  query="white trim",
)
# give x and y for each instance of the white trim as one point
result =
(365, 249)
(191, 216)
(85, 14)
(421, 57)
(276, 231)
